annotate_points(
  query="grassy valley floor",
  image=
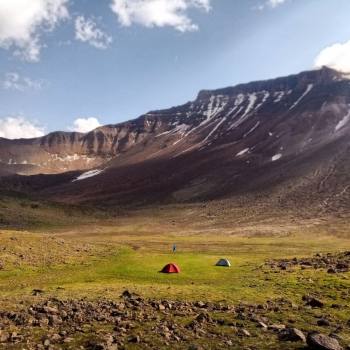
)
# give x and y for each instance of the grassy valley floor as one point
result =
(100, 261)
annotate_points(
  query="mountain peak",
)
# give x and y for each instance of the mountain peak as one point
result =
(324, 75)
(231, 115)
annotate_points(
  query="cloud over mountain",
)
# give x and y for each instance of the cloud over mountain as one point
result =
(19, 127)
(84, 124)
(336, 56)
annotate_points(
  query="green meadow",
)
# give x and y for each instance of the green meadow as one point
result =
(96, 257)
(98, 264)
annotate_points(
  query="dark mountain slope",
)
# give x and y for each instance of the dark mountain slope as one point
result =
(283, 141)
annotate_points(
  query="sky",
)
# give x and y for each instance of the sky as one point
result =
(73, 65)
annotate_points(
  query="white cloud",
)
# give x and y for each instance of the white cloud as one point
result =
(158, 13)
(13, 81)
(336, 56)
(275, 3)
(84, 124)
(271, 4)
(86, 31)
(19, 127)
(22, 21)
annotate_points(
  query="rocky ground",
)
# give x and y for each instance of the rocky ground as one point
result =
(135, 322)
(333, 263)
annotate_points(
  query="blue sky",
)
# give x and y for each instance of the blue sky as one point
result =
(82, 59)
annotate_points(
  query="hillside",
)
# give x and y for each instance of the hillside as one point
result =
(281, 143)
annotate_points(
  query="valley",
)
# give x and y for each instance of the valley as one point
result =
(90, 267)
(257, 174)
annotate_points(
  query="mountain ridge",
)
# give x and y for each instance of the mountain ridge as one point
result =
(324, 73)
(283, 137)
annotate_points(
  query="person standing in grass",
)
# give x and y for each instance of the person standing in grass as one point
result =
(174, 248)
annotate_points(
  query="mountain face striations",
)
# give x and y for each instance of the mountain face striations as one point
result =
(285, 138)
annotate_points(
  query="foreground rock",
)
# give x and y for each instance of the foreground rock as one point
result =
(292, 334)
(138, 323)
(318, 341)
(332, 263)
(313, 302)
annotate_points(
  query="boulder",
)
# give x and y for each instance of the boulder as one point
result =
(313, 302)
(244, 333)
(318, 341)
(323, 322)
(4, 336)
(291, 334)
(277, 327)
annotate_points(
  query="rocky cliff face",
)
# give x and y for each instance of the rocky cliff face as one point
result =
(291, 132)
(287, 115)
(59, 152)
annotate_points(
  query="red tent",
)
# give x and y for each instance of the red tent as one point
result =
(171, 268)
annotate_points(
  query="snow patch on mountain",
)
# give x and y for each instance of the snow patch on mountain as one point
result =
(216, 105)
(308, 89)
(252, 129)
(239, 99)
(346, 76)
(70, 158)
(215, 128)
(343, 122)
(278, 96)
(276, 157)
(182, 128)
(88, 174)
(264, 99)
(241, 153)
(14, 162)
(252, 98)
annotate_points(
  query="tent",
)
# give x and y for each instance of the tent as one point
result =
(170, 268)
(223, 262)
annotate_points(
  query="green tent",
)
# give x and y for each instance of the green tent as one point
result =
(223, 262)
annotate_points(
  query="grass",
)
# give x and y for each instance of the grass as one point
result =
(96, 263)
(18, 210)
(102, 258)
